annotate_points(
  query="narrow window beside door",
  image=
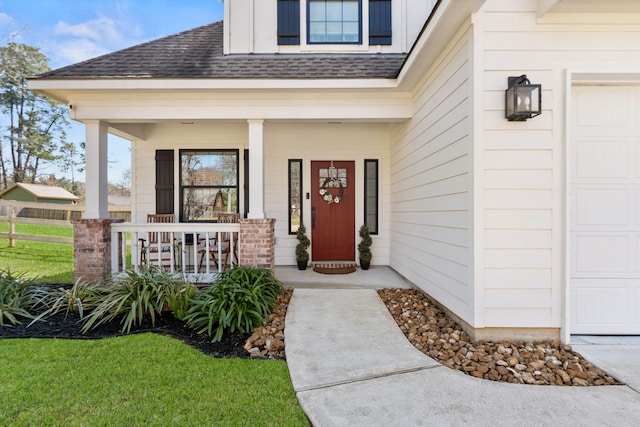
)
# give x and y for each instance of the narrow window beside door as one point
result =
(295, 195)
(371, 195)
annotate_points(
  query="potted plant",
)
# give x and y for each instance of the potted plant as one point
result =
(302, 256)
(364, 247)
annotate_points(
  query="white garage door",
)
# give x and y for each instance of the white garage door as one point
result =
(605, 210)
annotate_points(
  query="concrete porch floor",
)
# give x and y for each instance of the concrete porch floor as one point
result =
(377, 277)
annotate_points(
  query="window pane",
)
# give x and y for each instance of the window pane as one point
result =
(334, 31)
(204, 204)
(317, 32)
(209, 168)
(351, 31)
(317, 11)
(371, 195)
(350, 11)
(334, 11)
(295, 195)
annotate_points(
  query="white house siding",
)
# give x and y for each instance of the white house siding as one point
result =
(522, 164)
(323, 141)
(173, 135)
(431, 184)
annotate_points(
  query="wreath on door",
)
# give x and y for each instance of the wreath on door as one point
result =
(325, 190)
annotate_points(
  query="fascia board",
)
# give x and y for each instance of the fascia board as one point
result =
(45, 85)
(442, 26)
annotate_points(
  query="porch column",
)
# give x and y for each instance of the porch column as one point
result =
(256, 172)
(96, 170)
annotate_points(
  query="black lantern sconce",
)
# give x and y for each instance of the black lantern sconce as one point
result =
(522, 99)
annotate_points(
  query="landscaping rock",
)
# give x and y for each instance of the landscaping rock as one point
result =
(268, 340)
(431, 331)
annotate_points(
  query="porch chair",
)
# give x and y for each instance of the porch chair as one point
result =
(225, 243)
(157, 247)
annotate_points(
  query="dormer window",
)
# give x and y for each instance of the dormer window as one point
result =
(334, 21)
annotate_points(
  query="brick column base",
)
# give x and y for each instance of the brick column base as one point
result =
(257, 243)
(92, 248)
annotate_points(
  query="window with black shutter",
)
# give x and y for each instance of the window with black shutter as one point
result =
(164, 181)
(288, 22)
(379, 22)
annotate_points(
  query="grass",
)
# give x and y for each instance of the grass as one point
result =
(143, 379)
(48, 262)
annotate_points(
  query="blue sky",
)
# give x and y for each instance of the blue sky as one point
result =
(70, 31)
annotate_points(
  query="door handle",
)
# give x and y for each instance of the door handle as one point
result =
(313, 217)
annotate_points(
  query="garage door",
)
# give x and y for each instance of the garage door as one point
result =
(605, 210)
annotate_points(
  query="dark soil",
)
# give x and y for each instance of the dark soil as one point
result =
(57, 326)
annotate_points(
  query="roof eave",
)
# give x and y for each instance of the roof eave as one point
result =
(445, 21)
(60, 89)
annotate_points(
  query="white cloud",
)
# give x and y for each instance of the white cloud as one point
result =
(102, 29)
(5, 19)
(77, 50)
(84, 40)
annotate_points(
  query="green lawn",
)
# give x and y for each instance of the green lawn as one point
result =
(50, 262)
(143, 379)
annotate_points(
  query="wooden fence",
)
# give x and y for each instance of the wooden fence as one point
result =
(53, 214)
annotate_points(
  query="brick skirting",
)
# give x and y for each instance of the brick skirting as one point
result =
(92, 248)
(257, 243)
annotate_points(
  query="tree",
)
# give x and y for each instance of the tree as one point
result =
(36, 124)
(71, 160)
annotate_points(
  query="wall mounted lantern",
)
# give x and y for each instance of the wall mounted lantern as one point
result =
(522, 99)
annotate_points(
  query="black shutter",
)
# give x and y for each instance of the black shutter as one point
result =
(288, 22)
(164, 181)
(379, 22)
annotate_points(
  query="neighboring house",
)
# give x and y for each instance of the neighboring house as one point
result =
(521, 229)
(38, 193)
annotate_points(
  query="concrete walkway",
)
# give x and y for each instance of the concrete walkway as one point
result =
(351, 366)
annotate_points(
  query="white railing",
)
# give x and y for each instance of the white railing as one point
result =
(192, 250)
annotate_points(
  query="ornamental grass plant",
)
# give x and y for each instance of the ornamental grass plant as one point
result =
(240, 300)
(134, 296)
(17, 297)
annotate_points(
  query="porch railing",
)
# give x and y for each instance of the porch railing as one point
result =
(190, 251)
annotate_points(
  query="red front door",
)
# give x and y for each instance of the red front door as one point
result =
(333, 211)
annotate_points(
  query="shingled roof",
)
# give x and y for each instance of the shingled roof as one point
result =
(198, 53)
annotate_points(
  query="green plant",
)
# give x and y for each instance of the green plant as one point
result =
(240, 300)
(364, 247)
(17, 297)
(302, 255)
(81, 297)
(135, 296)
(178, 299)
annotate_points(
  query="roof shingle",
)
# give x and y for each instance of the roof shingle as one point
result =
(198, 53)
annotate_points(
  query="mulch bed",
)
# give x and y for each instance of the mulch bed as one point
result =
(59, 326)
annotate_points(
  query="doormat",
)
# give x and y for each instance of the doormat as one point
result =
(334, 268)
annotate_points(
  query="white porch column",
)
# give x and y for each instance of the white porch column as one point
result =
(96, 170)
(256, 171)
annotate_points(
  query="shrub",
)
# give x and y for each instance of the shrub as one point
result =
(302, 255)
(135, 296)
(17, 297)
(240, 300)
(364, 247)
(81, 297)
(178, 299)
